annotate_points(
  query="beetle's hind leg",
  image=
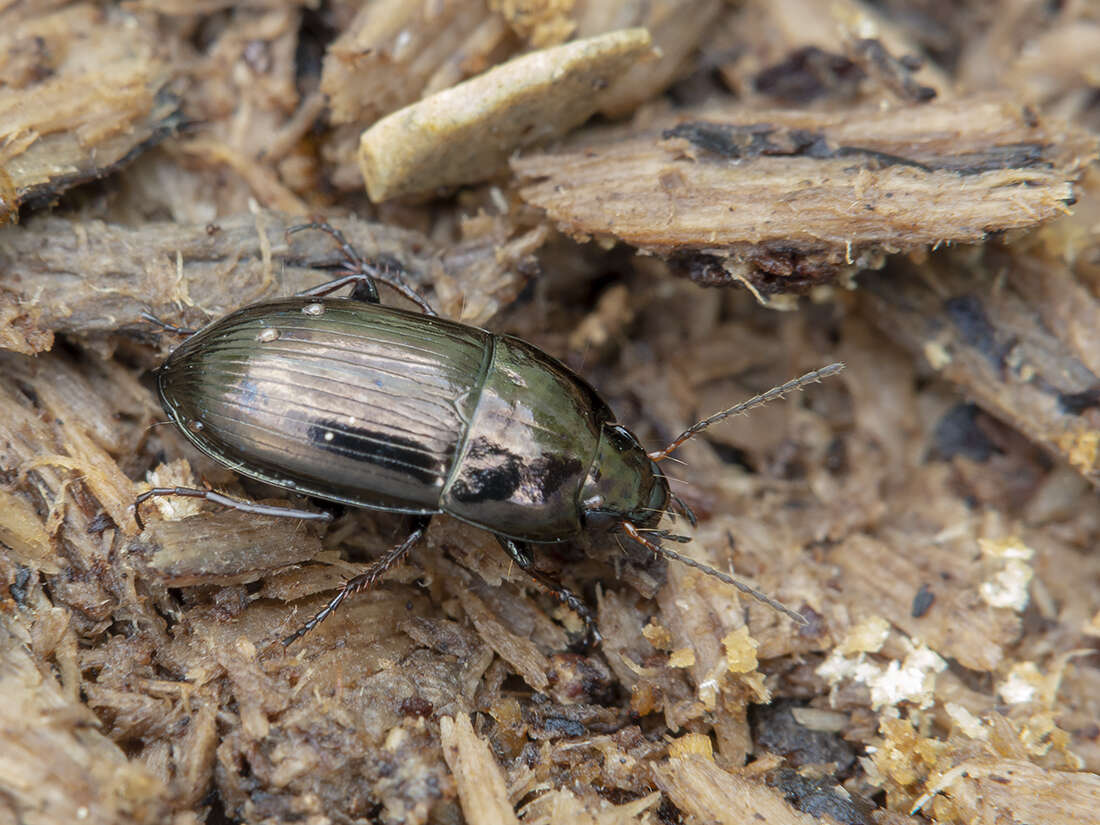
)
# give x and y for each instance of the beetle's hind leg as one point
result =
(362, 273)
(228, 501)
(521, 555)
(364, 580)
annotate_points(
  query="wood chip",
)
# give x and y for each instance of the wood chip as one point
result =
(394, 51)
(1018, 333)
(109, 275)
(228, 547)
(518, 651)
(1009, 790)
(882, 579)
(466, 133)
(783, 200)
(481, 786)
(700, 788)
(49, 743)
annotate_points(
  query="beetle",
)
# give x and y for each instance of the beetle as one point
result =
(371, 406)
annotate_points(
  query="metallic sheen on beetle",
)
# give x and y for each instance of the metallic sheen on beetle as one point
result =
(377, 407)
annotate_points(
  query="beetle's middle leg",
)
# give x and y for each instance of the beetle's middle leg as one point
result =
(364, 580)
(361, 272)
(521, 555)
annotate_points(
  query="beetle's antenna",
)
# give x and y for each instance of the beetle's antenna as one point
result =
(664, 534)
(745, 406)
(636, 535)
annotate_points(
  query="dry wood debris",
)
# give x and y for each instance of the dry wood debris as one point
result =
(784, 201)
(915, 182)
(71, 110)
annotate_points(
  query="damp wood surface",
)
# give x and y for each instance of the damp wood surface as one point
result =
(913, 183)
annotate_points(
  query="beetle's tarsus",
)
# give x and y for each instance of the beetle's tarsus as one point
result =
(228, 501)
(522, 557)
(665, 534)
(363, 581)
(361, 271)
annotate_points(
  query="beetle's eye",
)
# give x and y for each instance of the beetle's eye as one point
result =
(621, 438)
(599, 519)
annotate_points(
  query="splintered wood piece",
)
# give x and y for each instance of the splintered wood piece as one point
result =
(480, 782)
(784, 200)
(223, 548)
(466, 133)
(679, 29)
(1016, 332)
(85, 278)
(394, 52)
(1014, 790)
(697, 786)
(72, 114)
(805, 51)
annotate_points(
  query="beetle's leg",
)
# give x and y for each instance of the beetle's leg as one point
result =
(218, 498)
(164, 325)
(364, 288)
(522, 556)
(345, 245)
(361, 272)
(682, 507)
(364, 580)
(363, 279)
(387, 270)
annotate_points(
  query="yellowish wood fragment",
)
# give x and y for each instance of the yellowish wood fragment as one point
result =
(466, 133)
(692, 743)
(740, 651)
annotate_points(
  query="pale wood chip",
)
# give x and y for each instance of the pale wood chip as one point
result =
(466, 133)
(481, 786)
(697, 786)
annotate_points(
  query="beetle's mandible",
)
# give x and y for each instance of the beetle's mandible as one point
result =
(350, 401)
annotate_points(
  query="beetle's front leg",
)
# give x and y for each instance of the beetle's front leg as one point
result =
(521, 554)
(365, 580)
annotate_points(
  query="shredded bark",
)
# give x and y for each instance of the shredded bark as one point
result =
(913, 181)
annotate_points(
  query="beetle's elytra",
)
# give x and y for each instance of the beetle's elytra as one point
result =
(370, 406)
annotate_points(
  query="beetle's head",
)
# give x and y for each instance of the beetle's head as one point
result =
(623, 483)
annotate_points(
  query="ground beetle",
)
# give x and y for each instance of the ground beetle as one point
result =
(353, 402)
